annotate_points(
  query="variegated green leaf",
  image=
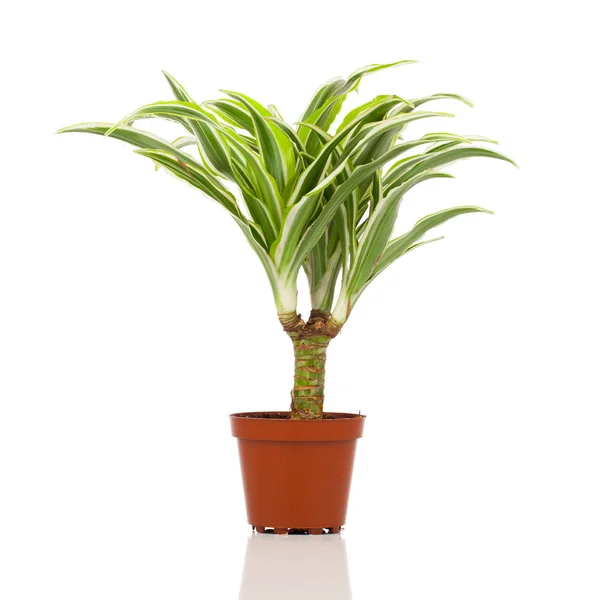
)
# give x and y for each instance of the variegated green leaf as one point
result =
(322, 291)
(284, 293)
(406, 241)
(370, 133)
(213, 148)
(312, 175)
(263, 181)
(194, 176)
(232, 112)
(184, 141)
(377, 233)
(148, 141)
(328, 90)
(360, 73)
(424, 162)
(275, 147)
(328, 101)
(375, 109)
(290, 258)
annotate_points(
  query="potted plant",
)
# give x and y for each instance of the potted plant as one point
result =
(306, 198)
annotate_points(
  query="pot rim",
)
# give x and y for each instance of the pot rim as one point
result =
(254, 415)
(347, 427)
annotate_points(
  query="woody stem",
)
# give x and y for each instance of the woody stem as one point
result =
(309, 376)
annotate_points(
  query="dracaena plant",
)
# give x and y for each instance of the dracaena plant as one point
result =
(307, 198)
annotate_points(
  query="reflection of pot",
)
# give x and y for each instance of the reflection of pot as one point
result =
(297, 474)
(295, 567)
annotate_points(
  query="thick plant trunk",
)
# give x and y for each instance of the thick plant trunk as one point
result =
(310, 341)
(309, 377)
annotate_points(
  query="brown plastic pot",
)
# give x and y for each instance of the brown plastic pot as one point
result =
(296, 474)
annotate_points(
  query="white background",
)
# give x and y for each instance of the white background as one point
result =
(134, 318)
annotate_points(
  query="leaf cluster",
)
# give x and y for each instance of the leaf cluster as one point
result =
(304, 197)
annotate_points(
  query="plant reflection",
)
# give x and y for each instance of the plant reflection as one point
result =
(295, 567)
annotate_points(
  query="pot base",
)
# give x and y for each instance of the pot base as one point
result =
(294, 531)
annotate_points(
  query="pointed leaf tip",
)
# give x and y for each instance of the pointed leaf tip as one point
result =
(509, 160)
(167, 75)
(403, 62)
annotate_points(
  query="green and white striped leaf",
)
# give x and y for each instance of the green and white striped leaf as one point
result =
(232, 112)
(322, 292)
(328, 90)
(261, 215)
(147, 141)
(370, 133)
(312, 175)
(263, 181)
(377, 233)
(275, 147)
(290, 258)
(434, 160)
(328, 101)
(192, 175)
(405, 242)
(184, 141)
(213, 148)
(284, 294)
(376, 109)
(368, 69)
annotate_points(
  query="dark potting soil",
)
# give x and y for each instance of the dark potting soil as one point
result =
(277, 415)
